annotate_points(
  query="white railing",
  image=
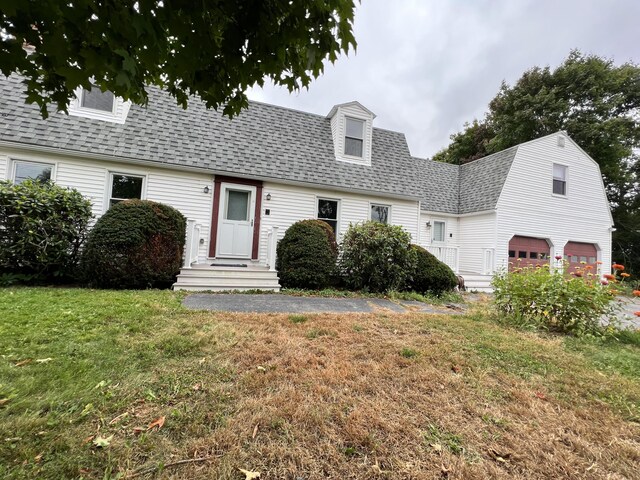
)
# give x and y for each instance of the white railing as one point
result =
(488, 261)
(192, 243)
(272, 243)
(449, 255)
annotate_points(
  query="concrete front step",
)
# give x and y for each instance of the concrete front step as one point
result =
(216, 278)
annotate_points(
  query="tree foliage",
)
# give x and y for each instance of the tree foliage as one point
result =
(215, 49)
(598, 104)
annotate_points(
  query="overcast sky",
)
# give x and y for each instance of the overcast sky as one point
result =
(425, 67)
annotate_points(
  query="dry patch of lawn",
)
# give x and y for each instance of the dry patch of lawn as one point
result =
(314, 396)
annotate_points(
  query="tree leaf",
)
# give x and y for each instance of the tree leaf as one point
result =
(102, 442)
(158, 422)
(249, 475)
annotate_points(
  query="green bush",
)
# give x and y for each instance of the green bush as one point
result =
(306, 256)
(430, 274)
(42, 228)
(376, 257)
(554, 301)
(135, 244)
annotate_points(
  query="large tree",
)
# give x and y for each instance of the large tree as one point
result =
(598, 104)
(214, 49)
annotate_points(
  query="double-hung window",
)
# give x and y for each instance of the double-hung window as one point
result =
(380, 213)
(125, 187)
(354, 137)
(559, 179)
(40, 172)
(328, 212)
(437, 235)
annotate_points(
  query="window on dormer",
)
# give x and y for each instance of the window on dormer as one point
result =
(354, 137)
(96, 99)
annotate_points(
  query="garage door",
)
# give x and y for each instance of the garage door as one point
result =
(577, 252)
(528, 251)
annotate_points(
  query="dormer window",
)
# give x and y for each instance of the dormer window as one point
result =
(354, 137)
(98, 105)
(352, 132)
(96, 99)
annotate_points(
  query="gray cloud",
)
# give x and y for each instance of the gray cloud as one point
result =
(425, 66)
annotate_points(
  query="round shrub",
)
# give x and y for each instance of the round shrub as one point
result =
(135, 244)
(42, 227)
(306, 256)
(430, 274)
(376, 257)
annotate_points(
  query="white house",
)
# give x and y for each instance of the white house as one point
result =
(241, 183)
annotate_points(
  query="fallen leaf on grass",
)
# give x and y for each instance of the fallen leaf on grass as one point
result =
(138, 430)
(197, 387)
(248, 475)
(3, 401)
(44, 360)
(255, 430)
(541, 395)
(499, 456)
(24, 362)
(158, 422)
(118, 418)
(436, 446)
(102, 442)
(456, 368)
(88, 439)
(38, 457)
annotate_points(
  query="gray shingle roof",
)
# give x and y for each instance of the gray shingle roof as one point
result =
(265, 141)
(481, 181)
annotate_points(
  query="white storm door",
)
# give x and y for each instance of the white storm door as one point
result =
(235, 221)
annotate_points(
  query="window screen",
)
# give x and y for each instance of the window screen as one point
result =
(328, 212)
(96, 99)
(380, 213)
(559, 179)
(354, 137)
(125, 187)
(40, 172)
(438, 232)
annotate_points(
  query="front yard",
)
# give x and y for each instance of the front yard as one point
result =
(84, 373)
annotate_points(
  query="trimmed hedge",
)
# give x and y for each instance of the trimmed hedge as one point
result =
(306, 256)
(376, 257)
(430, 274)
(42, 228)
(135, 244)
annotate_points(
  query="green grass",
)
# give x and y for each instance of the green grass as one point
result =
(73, 360)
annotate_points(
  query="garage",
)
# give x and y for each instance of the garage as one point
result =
(577, 252)
(525, 251)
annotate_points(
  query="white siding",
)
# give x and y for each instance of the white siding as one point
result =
(338, 130)
(3, 167)
(289, 204)
(528, 207)
(452, 230)
(477, 233)
(182, 190)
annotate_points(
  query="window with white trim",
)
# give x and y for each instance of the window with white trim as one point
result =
(438, 231)
(380, 213)
(354, 137)
(96, 99)
(38, 171)
(559, 179)
(124, 187)
(328, 212)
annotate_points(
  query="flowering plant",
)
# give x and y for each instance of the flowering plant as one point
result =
(552, 299)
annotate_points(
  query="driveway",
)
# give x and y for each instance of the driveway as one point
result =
(626, 316)
(264, 303)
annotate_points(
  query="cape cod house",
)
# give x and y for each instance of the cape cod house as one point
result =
(241, 183)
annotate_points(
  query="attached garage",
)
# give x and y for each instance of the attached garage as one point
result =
(525, 251)
(576, 252)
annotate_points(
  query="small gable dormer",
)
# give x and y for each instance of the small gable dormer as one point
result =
(351, 128)
(99, 105)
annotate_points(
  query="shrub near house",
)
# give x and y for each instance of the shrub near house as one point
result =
(306, 256)
(42, 228)
(430, 274)
(135, 244)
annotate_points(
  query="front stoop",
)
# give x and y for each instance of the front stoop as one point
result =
(218, 278)
(477, 282)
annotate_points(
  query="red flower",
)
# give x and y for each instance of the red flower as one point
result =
(598, 262)
(608, 276)
(636, 293)
(637, 314)
(577, 274)
(604, 282)
(617, 266)
(558, 257)
(625, 275)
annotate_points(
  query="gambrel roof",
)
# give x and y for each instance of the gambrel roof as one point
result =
(264, 142)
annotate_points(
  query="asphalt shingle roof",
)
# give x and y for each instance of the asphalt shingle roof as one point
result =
(264, 141)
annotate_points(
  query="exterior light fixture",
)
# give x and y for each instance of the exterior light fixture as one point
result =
(268, 196)
(206, 189)
(428, 224)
